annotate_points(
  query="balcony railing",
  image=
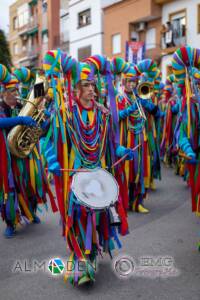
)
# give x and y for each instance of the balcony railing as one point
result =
(33, 51)
(178, 38)
(162, 1)
(33, 23)
(64, 37)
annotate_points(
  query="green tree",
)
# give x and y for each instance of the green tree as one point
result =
(5, 57)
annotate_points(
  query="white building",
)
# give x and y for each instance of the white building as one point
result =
(184, 15)
(64, 25)
(86, 27)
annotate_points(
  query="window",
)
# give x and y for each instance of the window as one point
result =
(23, 15)
(198, 19)
(116, 43)
(45, 38)
(44, 6)
(150, 39)
(178, 25)
(134, 36)
(84, 18)
(15, 48)
(64, 25)
(14, 23)
(84, 52)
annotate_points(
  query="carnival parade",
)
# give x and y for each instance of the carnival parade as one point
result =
(90, 141)
(99, 128)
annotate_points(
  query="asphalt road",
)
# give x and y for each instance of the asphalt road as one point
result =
(169, 230)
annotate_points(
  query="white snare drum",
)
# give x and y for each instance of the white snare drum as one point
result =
(96, 189)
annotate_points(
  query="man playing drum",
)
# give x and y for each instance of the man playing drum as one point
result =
(90, 145)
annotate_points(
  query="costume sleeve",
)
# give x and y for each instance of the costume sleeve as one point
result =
(175, 108)
(183, 141)
(13, 121)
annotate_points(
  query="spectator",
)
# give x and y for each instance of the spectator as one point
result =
(169, 35)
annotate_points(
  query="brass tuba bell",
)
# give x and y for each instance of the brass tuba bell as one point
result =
(145, 90)
(22, 139)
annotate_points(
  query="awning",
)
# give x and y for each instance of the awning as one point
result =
(44, 31)
(33, 2)
(33, 31)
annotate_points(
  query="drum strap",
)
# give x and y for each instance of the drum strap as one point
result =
(88, 242)
(114, 234)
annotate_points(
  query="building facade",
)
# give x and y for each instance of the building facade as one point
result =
(86, 23)
(85, 28)
(64, 25)
(130, 20)
(184, 18)
(34, 28)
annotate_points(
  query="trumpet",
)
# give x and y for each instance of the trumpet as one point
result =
(145, 90)
(139, 118)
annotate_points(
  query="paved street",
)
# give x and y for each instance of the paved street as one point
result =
(169, 230)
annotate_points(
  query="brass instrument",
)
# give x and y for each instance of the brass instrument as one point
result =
(145, 90)
(139, 117)
(22, 139)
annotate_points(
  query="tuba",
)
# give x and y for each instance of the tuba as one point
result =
(22, 139)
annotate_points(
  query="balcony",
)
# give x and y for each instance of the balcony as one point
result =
(44, 21)
(30, 27)
(64, 37)
(178, 39)
(162, 1)
(23, 30)
(33, 51)
(33, 23)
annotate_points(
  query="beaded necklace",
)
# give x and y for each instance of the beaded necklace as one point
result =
(88, 137)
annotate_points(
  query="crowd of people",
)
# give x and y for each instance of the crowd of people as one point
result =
(97, 131)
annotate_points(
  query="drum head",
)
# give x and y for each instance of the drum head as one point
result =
(96, 189)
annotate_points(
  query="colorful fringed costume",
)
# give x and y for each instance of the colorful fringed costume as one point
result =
(132, 135)
(186, 62)
(23, 181)
(83, 139)
(147, 71)
(168, 147)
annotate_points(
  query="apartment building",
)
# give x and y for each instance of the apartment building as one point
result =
(34, 28)
(131, 20)
(64, 25)
(86, 27)
(184, 19)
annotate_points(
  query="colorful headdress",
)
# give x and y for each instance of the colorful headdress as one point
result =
(184, 59)
(147, 69)
(5, 75)
(130, 73)
(8, 80)
(98, 63)
(26, 78)
(86, 71)
(119, 65)
(196, 75)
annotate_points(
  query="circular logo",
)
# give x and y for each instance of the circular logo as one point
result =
(56, 266)
(124, 266)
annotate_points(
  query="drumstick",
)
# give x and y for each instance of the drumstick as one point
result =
(123, 157)
(72, 170)
(86, 170)
(183, 155)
